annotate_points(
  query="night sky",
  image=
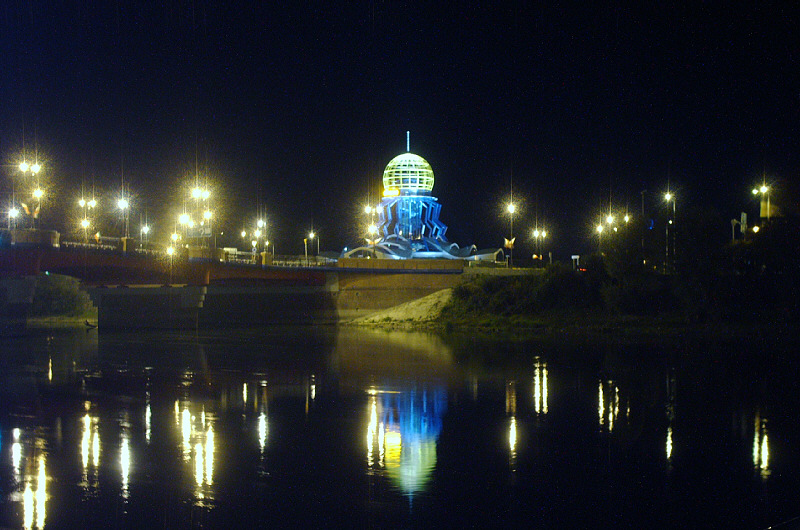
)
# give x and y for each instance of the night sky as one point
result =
(297, 109)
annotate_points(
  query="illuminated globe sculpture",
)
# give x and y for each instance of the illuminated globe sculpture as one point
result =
(409, 225)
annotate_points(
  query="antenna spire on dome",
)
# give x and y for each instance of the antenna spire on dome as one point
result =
(408, 141)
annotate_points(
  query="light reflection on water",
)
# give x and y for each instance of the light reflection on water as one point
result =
(402, 431)
(203, 438)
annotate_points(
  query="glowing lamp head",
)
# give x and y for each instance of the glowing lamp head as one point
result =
(260, 223)
(38, 193)
(170, 250)
(610, 219)
(122, 203)
(81, 203)
(755, 191)
(196, 193)
(207, 214)
(24, 166)
(311, 235)
(372, 229)
(257, 233)
(756, 229)
(174, 236)
(599, 229)
(92, 203)
(13, 213)
(368, 210)
(254, 243)
(668, 196)
(85, 224)
(544, 234)
(35, 168)
(206, 194)
(145, 229)
(183, 218)
(511, 208)
(244, 234)
(763, 189)
(536, 233)
(627, 218)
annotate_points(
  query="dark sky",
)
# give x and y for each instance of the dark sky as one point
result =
(298, 108)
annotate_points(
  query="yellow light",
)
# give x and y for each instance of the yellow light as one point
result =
(311, 235)
(92, 203)
(85, 223)
(536, 233)
(196, 193)
(599, 229)
(122, 203)
(145, 229)
(254, 242)
(174, 236)
(244, 234)
(756, 229)
(627, 218)
(372, 229)
(511, 208)
(668, 196)
(183, 218)
(13, 213)
(207, 214)
(260, 223)
(391, 193)
(610, 219)
(170, 250)
(755, 191)
(544, 234)
(206, 194)
(763, 189)
(81, 203)
(367, 209)
(38, 193)
(24, 166)
(191, 223)
(35, 168)
(257, 233)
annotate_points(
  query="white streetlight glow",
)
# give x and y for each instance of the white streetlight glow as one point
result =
(85, 223)
(260, 223)
(13, 213)
(24, 166)
(244, 234)
(145, 229)
(122, 203)
(610, 219)
(170, 250)
(183, 218)
(38, 193)
(92, 203)
(207, 214)
(196, 193)
(35, 168)
(81, 203)
(599, 229)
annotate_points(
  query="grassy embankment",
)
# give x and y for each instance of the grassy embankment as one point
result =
(60, 301)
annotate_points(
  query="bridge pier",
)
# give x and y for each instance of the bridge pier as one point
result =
(148, 307)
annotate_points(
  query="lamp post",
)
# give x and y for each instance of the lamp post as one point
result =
(538, 238)
(305, 246)
(599, 229)
(312, 235)
(170, 253)
(669, 260)
(763, 190)
(123, 205)
(33, 170)
(511, 208)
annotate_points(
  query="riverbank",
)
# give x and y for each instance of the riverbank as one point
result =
(426, 314)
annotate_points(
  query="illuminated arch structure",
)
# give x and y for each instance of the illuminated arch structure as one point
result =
(409, 225)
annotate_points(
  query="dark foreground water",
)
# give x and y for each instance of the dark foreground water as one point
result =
(358, 428)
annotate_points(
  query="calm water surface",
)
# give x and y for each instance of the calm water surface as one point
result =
(349, 427)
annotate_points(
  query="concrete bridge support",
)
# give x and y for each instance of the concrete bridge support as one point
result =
(153, 307)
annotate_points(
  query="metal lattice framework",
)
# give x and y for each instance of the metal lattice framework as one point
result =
(409, 174)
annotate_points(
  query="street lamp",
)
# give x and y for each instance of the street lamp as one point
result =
(305, 247)
(763, 190)
(170, 253)
(312, 236)
(511, 208)
(123, 204)
(670, 197)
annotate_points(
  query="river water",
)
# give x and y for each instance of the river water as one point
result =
(363, 428)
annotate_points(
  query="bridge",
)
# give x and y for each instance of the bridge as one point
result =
(206, 287)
